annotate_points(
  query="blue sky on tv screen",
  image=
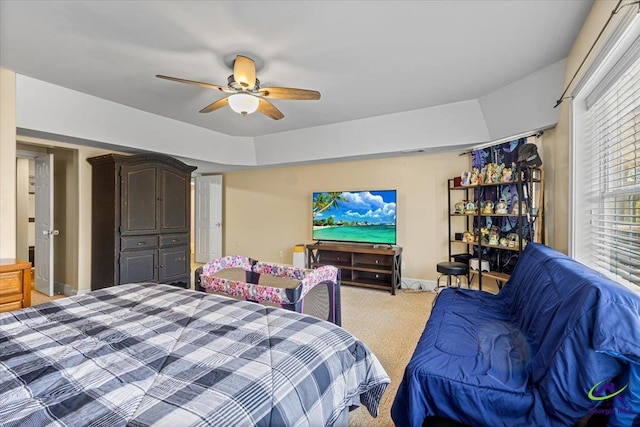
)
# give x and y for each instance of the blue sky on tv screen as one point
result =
(372, 207)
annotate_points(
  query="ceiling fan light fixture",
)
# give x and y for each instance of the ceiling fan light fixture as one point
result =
(243, 103)
(247, 96)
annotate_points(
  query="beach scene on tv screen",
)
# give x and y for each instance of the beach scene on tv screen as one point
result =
(355, 216)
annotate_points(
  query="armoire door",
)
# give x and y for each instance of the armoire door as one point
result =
(174, 265)
(138, 266)
(174, 195)
(139, 200)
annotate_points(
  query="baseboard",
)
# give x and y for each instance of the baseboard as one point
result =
(63, 288)
(417, 284)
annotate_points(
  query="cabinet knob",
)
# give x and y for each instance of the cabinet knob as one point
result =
(174, 240)
(161, 266)
(159, 198)
(141, 243)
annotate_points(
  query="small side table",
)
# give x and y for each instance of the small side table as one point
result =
(15, 284)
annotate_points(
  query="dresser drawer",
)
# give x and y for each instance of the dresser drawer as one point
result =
(174, 240)
(10, 306)
(138, 242)
(11, 283)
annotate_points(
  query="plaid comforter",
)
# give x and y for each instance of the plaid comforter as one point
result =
(146, 354)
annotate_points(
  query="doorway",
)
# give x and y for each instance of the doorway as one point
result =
(207, 214)
(53, 240)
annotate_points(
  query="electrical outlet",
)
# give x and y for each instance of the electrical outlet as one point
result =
(281, 254)
(402, 266)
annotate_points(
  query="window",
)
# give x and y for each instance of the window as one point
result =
(613, 139)
(606, 207)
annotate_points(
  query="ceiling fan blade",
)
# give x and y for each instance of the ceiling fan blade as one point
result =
(244, 72)
(215, 105)
(289, 93)
(193, 82)
(269, 110)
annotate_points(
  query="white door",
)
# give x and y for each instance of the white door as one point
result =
(44, 224)
(208, 218)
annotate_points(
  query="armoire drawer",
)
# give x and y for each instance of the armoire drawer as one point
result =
(173, 240)
(138, 242)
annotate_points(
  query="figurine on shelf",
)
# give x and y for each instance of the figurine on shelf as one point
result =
(499, 171)
(484, 235)
(486, 173)
(507, 175)
(503, 242)
(514, 241)
(501, 207)
(459, 207)
(519, 208)
(470, 208)
(494, 236)
(487, 207)
(475, 176)
(465, 178)
(467, 237)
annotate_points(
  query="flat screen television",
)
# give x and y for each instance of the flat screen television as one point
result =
(355, 216)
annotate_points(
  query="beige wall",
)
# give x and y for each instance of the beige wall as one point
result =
(7, 163)
(269, 210)
(557, 169)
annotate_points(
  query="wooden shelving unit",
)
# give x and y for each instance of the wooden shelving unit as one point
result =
(369, 266)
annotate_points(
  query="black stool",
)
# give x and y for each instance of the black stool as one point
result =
(449, 269)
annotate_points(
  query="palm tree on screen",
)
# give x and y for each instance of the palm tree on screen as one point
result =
(324, 201)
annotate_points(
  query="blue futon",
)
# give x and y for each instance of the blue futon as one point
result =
(557, 341)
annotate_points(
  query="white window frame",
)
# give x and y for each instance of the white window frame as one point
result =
(624, 38)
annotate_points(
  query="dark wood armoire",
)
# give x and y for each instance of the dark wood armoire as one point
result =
(141, 220)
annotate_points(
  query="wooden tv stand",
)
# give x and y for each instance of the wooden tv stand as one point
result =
(370, 266)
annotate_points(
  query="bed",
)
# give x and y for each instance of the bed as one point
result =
(150, 354)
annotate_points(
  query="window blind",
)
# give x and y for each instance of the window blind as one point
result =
(613, 164)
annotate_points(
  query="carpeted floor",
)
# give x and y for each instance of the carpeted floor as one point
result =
(390, 325)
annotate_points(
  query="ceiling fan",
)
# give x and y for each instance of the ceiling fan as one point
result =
(246, 94)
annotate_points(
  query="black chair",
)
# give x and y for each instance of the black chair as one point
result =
(449, 269)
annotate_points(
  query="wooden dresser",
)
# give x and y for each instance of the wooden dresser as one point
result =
(15, 284)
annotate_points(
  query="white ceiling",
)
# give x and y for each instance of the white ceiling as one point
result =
(367, 58)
